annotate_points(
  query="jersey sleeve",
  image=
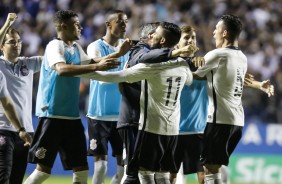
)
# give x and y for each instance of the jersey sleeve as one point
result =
(155, 56)
(84, 58)
(55, 52)
(133, 74)
(34, 63)
(93, 50)
(212, 61)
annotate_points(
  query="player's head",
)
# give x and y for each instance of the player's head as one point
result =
(188, 36)
(67, 23)
(116, 21)
(12, 43)
(147, 30)
(166, 35)
(228, 28)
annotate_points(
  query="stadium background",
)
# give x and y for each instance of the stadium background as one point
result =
(258, 158)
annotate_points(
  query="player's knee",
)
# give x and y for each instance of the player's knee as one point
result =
(212, 169)
(101, 166)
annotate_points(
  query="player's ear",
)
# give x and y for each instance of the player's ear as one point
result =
(108, 24)
(225, 33)
(162, 42)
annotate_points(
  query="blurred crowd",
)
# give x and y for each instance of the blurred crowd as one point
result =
(261, 39)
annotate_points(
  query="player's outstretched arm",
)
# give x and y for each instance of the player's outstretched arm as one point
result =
(264, 86)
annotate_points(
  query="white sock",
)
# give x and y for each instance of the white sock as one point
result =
(146, 177)
(225, 174)
(124, 174)
(162, 177)
(100, 170)
(116, 179)
(180, 177)
(213, 178)
(36, 177)
(80, 177)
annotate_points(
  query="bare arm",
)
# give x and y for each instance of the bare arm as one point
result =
(72, 70)
(9, 21)
(122, 50)
(185, 51)
(11, 114)
(264, 86)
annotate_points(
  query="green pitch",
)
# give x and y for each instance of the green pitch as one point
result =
(68, 180)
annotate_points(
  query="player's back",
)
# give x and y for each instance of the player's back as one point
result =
(160, 104)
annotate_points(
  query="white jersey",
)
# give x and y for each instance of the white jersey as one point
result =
(225, 70)
(159, 101)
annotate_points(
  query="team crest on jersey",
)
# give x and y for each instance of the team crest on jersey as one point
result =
(2, 140)
(40, 153)
(93, 144)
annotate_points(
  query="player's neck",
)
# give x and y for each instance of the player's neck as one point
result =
(230, 44)
(111, 40)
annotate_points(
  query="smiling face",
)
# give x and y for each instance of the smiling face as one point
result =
(219, 34)
(12, 45)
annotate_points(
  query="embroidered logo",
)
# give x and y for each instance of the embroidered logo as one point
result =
(2, 140)
(40, 153)
(93, 144)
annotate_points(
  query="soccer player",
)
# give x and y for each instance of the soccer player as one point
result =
(130, 104)
(225, 70)
(60, 128)
(18, 72)
(194, 101)
(159, 104)
(194, 106)
(104, 101)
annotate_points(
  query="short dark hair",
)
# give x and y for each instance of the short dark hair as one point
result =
(147, 28)
(233, 26)
(172, 33)
(63, 16)
(187, 29)
(112, 12)
(10, 32)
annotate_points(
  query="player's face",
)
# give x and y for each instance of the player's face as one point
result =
(219, 34)
(155, 39)
(73, 29)
(12, 45)
(187, 39)
(118, 25)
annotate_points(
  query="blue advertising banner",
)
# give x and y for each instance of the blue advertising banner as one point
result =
(259, 138)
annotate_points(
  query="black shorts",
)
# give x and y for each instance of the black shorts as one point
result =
(59, 135)
(220, 140)
(189, 149)
(155, 152)
(128, 135)
(103, 132)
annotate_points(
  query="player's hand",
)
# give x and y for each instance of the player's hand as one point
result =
(189, 50)
(125, 47)
(11, 18)
(107, 64)
(25, 137)
(198, 61)
(267, 87)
